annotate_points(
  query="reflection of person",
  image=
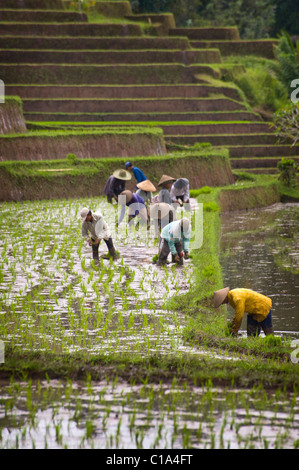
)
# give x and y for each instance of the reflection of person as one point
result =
(180, 191)
(94, 229)
(257, 306)
(136, 207)
(115, 184)
(165, 183)
(175, 238)
(139, 175)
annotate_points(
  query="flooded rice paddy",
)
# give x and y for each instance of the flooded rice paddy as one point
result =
(260, 251)
(54, 297)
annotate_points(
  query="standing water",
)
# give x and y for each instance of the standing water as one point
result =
(260, 251)
(55, 299)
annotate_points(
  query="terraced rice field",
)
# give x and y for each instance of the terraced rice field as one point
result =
(55, 298)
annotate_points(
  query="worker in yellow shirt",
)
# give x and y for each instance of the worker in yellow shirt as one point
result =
(257, 307)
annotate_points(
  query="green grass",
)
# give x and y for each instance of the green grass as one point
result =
(259, 84)
(82, 133)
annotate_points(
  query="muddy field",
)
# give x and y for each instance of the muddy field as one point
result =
(55, 298)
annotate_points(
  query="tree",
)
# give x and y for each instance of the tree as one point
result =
(286, 123)
(287, 17)
(287, 66)
(253, 18)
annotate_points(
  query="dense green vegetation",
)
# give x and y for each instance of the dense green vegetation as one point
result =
(254, 18)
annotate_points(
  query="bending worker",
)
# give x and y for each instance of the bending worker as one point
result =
(139, 175)
(257, 307)
(179, 192)
(115, 184)
(175, 238)
(135, 204)
(99, 230)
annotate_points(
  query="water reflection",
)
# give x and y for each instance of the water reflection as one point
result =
(260, 251)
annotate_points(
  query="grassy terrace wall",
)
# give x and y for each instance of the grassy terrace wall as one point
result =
(94, 43)
(117, 142)
(87, 177)
(11, 116)
(68, 29)
(103, 74)
(207, 56)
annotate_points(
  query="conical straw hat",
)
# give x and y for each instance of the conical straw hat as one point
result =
(122, 174)
(146, 185)
(128, 195)
(165, 179)
(159, 210)
(220, 296)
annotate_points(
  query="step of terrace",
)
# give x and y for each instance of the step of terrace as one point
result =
(233, 139)
(95, 119)
(41, 16)
(36, 4)
(115, 74)
(94, 43)
(235, 151)
(199, 56)
(69, 29)
(250, 164)
(207, 33)
(137, 105)
(261, 47)
(109, 8)
(186, 134)
(123, 91)
(261, 151)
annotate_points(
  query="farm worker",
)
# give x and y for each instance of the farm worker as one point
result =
(94, 229)
(139, 175)
(179, 192)
(257, 307)
(115, 184)
(175, 238)
(161, 214)
(145, 190)
(136, 206)
(165, 183)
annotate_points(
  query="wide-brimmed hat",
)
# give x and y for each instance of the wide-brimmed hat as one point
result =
(166, 179)
(122, 175)
(181, 183)
(84, 213)
(159, 210)
(146, 185)
(128, 195)
(220, 296)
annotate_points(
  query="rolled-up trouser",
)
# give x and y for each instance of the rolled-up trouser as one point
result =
(254, 327)
(164, 250)
(95, 248)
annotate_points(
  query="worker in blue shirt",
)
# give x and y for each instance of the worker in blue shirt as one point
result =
(139, 175)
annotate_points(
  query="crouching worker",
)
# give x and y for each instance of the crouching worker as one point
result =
(95, 225)
(257, 307)
(175, 238)
(136, 207)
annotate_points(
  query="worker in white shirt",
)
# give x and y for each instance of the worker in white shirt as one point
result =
(94, 229)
